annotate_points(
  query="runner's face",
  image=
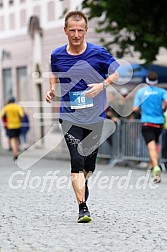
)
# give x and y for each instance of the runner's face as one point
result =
(76, 31)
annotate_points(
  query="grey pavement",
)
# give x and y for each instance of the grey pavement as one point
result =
(128, 212)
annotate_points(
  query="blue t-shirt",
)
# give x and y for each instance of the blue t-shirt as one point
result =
(25, 124)
(150, 100)
(74, 73)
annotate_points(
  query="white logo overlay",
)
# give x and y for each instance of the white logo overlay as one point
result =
(53, 180)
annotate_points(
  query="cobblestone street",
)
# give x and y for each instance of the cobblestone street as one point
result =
(38, 215)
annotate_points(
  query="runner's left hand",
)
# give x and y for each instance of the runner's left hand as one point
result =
(94, 90)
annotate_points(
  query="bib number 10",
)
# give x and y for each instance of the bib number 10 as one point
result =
(81, 99)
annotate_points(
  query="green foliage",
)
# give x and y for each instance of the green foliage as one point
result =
(137, 24)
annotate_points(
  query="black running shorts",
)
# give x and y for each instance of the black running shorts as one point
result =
(151, 133)
(13, 133)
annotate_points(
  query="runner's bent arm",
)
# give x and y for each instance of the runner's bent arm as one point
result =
(112, 78)
(53, 84)
(96, 89)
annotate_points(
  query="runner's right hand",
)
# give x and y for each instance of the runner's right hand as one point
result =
(49, 96)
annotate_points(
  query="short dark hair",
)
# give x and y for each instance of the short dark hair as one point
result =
(11, 100)
(152, 76)
(77, 16)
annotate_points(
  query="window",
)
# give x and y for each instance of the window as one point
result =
(22, 84)
(37, 11)
(51, 11)
(7, 84)
(23, 20)
(1, 23)
(12, 21)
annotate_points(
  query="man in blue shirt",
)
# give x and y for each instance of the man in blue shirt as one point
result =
(151, 101)
(81, 69)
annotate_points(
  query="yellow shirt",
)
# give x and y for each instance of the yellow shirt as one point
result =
(14, 114)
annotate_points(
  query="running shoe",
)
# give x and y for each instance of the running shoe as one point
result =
(84, 214)
(86, 190)
(156, 174)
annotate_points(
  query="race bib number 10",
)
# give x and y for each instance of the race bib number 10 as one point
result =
(79, 101)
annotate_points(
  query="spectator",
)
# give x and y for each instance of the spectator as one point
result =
(4, 119)
(25, 126)
(14, 115)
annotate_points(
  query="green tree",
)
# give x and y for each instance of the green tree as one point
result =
(137, 24)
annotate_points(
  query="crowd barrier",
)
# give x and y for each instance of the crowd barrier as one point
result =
(127, 143)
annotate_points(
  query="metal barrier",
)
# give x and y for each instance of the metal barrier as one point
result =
(127, 143)
(111, 147)
(132, 142)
